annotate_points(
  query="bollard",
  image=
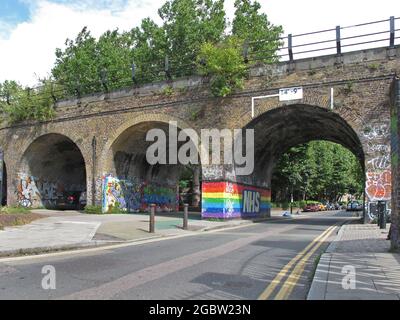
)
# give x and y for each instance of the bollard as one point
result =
(382, 214)
(152, 217)
(383, 221)
(185, 216)
(378, 219)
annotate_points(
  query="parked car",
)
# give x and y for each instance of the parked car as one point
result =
(354, 206)
(68, 201)
(312, 207)
(322, 207)
(330, 206)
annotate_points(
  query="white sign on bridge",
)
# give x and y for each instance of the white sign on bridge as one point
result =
(287, 94)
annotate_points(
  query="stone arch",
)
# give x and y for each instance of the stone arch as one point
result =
(106, 157)
(283, 127)
(51, 167)
(276, 129)
(135, 182)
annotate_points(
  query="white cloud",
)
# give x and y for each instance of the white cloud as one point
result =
(28, 48)
(27, 52)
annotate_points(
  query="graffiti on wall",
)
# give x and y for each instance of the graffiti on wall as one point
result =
(28, 194)
(376, 132)
(226, 200)
(135, 195)
(37, 192)
(378, 184)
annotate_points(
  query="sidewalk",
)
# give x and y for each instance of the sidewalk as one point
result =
(63, 230)
(363, 247)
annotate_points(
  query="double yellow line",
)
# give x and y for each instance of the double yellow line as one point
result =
(299, 263)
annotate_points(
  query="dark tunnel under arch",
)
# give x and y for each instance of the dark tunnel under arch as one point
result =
(281, 128)
(51, 166)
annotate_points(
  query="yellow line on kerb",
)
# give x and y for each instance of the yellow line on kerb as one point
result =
(294, 277)
(277, 280)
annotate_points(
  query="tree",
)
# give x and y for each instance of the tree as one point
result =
(224, 64)
(188, 24)
(149, 45)
(254, 27)
(88, 65)
(19, 104)
(192, 31)
(113, 58)
(290, 172)
(191, 28)
(75, 67)
(320, 170)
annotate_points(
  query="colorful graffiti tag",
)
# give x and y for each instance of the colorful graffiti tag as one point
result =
(136, 196)
(36, 192)
(379, 185)
(28, 194)
(227, 200)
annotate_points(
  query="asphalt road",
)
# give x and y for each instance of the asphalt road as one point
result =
(239, 263)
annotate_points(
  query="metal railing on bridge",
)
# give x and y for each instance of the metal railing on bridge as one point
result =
(338, 40)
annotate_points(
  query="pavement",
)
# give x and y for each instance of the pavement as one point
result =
(271, 259)
(64, 230)
(358, 266)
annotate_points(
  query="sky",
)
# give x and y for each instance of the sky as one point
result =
(31, 30)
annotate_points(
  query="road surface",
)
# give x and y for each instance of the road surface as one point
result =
(266, 260)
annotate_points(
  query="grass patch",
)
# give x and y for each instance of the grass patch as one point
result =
(98, 210)
(373, 66)
(14, 210)
(93, 209)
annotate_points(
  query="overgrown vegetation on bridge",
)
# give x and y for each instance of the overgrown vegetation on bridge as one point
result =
(193, 38)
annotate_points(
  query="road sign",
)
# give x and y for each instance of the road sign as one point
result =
(287, 94)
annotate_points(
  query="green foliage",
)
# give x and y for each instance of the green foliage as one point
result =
(188, 24)
(285, 205)
(349, 87)
(149, 42)
(89, 209)
(190, 30)
(80, 65)
(254, 27)
(193, 37)
(14, 210)
(93, 209)
(19, 104)
(224, 64)
(195, 114)
(317, 170)
(168, 91)
(373, 66)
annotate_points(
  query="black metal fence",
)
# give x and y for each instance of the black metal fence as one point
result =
(337, 40)
(381, 33)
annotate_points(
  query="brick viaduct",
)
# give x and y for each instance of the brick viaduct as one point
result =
(97, 143)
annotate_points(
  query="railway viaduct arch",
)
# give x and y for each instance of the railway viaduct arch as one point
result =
(100, 138)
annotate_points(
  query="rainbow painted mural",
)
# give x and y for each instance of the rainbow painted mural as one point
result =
(228, 200)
